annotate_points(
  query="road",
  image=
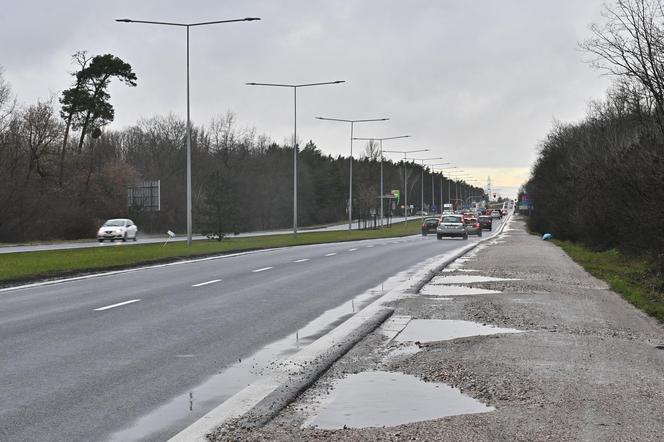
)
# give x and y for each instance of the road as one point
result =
(152, 239)
(84, 359)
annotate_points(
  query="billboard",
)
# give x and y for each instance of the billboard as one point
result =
(145, 196)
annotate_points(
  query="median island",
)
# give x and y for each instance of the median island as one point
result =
(32, 266)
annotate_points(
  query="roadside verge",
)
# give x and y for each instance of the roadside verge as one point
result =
(262, 400)
(26, 267)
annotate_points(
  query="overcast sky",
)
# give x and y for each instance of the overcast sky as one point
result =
(477, 82)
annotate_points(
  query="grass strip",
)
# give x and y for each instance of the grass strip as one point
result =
(29, 266)
(631, 276)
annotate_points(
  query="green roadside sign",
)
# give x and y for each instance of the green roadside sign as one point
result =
(397, 195)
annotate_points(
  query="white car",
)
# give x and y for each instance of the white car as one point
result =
(113, 229)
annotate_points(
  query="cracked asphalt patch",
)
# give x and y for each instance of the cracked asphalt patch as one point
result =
(586, 368)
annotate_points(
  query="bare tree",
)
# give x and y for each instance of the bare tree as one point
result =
(41, 133)
(372, 150)
(630, 45)
(7, 103)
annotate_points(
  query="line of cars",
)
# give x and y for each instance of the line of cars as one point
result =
(461, 224)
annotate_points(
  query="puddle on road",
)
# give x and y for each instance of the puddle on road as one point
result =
(377, 399)
(454, 290)
(466, 279)
(432, 330)
(174, 415)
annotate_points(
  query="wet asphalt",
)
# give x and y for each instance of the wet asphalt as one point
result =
(76, 367)
(586, 366)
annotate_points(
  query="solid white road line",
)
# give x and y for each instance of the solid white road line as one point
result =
(206, 283)
(261, 270)
(368, 247)
(352, 250)
(330, 254)
(101, 309)
(302, 260)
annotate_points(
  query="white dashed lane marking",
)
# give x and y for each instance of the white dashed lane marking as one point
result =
(206, 283)
(330, 254)
(101, 309)
(302, 260)
(261, 270)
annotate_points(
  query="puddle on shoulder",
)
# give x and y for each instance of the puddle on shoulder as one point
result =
(432, 330)
(454, 290)
(466, 279)
(379, 398)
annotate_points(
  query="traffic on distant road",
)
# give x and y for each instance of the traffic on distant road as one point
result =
(464, 222)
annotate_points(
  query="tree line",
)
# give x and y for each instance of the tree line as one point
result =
(600, 181)
(63, 171)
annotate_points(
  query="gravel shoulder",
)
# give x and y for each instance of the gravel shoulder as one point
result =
(587, 366)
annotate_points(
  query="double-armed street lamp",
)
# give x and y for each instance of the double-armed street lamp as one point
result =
(187, 26)
(380, 143)
(350, 182)
(422, 179)
(405, 177)
(469, 195)
(449, 182)
(457, 179)
(433, 194)
(295, 87)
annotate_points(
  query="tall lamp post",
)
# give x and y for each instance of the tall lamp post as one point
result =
(457, 179)
(422, 180)
(449, 183)
(405, 177)
(350, 182)
(380, 142)
(187, 26)
(433, 193)
(295, 87)
(443, 172)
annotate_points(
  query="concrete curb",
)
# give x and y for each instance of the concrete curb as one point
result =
(260, 402)
(268, 408)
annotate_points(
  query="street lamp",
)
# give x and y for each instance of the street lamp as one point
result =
(295, 87)
(187, 26)
(457, 179)
(433, 193)
(380, 141)
(449, 182)
(405, 177)
(422, 180)
(350, 183)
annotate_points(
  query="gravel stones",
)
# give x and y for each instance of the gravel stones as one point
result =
(587, 367)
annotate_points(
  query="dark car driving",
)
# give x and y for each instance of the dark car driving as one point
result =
(429, 226)
(486, 223)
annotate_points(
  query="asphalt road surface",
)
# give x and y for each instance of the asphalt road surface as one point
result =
(84, 359)
(152, 239)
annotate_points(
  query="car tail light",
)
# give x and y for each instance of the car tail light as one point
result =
(477, 225)
(424, 226)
